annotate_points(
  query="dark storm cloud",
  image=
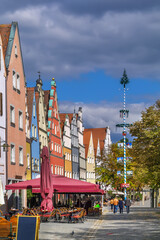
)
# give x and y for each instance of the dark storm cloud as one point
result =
(67, 38)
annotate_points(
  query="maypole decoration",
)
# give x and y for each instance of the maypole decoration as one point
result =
(123, 114)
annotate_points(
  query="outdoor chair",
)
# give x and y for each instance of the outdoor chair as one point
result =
(61, 215)
(13, 220)
(79, 216)
(5, 229)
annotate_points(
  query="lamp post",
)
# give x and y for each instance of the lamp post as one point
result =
(123, 114)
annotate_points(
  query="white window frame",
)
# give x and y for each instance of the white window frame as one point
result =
(12, 114)
(14, 79)
(55, 169)
(52, 168)
(35, 131)
(20, 155)
(32, 130)
(13, 159)
(18, 81)
(20, 119)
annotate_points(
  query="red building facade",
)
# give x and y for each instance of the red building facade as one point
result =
(54, 133)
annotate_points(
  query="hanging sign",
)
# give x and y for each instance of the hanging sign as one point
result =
(119, 159)
(124, 185)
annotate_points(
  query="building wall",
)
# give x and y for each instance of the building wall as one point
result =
(35, 148)
(82, 160)
(14, 135)
(28, 155)
(54, 133)
(91, 162)
(75, 148)
(42, 119)
(68, 162)
(2, 118)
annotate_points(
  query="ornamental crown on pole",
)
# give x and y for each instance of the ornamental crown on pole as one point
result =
(124, 79)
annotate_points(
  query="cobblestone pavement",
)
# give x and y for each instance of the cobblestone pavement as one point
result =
(139, 224)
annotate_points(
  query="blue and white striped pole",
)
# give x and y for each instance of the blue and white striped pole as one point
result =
(124, 142)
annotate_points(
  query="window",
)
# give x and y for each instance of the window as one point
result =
(12, 115)
(18, 82)
(88, 159)
(59, 149)
(52, 168)
(52, 146)
(36, 165)
(55, 130)
(35, 131)
(14, 79)
(65, 174)
(28, 161)
(34, 110)
(12, 153)
(55, 147)
(20, 120)
(15, 51)
(60, 170)
(20, 155)
(32, 130)
(70, 175)
(55, 169)
(1, 104)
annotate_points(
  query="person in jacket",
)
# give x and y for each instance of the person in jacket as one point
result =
(121, 205)
(127, 204)
(111, 202)
(115, 202)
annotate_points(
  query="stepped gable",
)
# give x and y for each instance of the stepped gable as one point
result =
(98, 133)
(86, 140)
(62, 117)
(30, 94)
(5, 33)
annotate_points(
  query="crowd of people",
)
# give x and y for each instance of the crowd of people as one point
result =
(121, 204)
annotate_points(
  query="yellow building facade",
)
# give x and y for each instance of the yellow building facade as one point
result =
(90, 156)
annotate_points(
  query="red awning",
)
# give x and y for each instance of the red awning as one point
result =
(61, 184)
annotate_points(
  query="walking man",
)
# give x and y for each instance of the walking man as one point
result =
(121, 205)
(128, 204)
(115, 202)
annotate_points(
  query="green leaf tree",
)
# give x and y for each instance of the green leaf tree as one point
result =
(146, 146)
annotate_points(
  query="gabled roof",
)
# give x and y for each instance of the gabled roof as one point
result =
(97, 133)
(62, 117)
(5, 32)
(30, 95)
(8, 33)
(86, 140)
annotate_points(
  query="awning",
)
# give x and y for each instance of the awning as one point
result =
(61, 184)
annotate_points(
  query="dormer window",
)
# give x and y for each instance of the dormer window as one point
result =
(34, 108)
(16, 52)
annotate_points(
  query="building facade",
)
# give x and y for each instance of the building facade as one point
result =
(75, 148)
(2, 115)
(32, 99)
(54, 133)
(82, 159)
(90, 156)
(66, 139)
(42, 126)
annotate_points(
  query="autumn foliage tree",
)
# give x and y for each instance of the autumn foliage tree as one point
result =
(146, 146)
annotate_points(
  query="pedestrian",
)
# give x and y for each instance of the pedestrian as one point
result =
(111, 202)
(127, 204)
(121, 205)
(115, 202)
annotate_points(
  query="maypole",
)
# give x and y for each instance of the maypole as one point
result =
(124, 114)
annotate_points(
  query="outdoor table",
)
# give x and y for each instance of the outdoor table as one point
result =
(13, 211)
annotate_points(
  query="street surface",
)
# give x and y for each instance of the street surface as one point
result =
(140, 224)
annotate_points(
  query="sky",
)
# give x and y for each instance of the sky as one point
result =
(86, 45)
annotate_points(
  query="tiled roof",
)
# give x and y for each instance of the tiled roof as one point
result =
(97, 133)
(86, 140)
(30, 94)
(5, 32)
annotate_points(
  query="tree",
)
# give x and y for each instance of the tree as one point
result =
(106, 170)
(146, 146)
